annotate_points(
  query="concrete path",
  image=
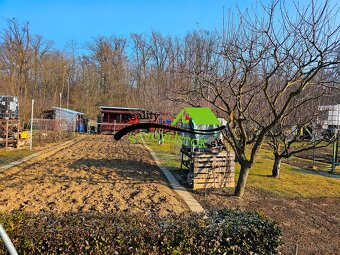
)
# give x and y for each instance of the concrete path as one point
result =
(181, 191)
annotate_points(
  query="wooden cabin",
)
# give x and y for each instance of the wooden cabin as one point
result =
(114, 118)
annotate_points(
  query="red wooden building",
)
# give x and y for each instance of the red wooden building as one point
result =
(114, 118)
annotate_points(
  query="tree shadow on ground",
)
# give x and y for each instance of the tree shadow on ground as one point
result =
(318, 172)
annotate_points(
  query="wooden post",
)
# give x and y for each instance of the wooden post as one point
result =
(60, 100)
(18, 133)
(6, 134)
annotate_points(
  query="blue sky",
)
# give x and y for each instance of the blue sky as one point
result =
(62, 20)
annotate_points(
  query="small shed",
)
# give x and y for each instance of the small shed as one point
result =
(71, 120)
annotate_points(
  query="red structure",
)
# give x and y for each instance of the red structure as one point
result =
(114, 118)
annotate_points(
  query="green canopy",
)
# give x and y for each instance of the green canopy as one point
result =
(200, 118)
(199, 115)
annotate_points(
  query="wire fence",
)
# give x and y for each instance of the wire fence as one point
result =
(52, 130)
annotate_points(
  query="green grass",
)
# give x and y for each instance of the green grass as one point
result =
(168, 154)
(292, 182)
(7, 157)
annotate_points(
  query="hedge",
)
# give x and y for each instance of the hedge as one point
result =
(215, 232)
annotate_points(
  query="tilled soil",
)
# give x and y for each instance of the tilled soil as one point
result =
(95, 174)
(311, 224)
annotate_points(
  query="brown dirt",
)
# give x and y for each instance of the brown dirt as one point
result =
(96, 173)
(313, 224)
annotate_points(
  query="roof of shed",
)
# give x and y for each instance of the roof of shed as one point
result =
(121, 108)
(68, 110)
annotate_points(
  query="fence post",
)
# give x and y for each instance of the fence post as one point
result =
(296, 249)
(6, 141)
(18, 132)
(31, 133)
(335, 152)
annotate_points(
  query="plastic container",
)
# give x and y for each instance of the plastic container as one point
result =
(9, 107)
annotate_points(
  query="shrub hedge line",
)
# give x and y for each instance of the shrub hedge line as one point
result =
(216, 232)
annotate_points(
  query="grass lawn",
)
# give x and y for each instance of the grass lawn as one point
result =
(292, 183)
(12, 155)
(7, 157)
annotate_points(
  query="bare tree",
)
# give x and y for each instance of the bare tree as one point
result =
(298, 132)
(263, 71)
(20, 53)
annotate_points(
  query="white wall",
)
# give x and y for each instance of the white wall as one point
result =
(330, 117)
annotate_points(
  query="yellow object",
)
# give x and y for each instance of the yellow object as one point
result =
(24, 134)
(301, 132)
(231, 116)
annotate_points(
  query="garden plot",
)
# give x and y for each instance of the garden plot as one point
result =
(95, 174)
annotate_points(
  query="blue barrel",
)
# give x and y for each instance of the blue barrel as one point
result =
(81, 128)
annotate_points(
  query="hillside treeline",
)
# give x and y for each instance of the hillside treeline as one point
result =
(152, 71)
(136, 71)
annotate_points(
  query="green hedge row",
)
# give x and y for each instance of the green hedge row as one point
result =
(216, 232)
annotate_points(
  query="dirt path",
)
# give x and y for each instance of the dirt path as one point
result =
(313, 224)
(97, 173)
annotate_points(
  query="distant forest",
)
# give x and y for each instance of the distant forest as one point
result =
(136, 71)
(156, 72)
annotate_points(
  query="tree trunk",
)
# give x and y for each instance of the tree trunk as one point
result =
(242, 180)
(276, 166)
